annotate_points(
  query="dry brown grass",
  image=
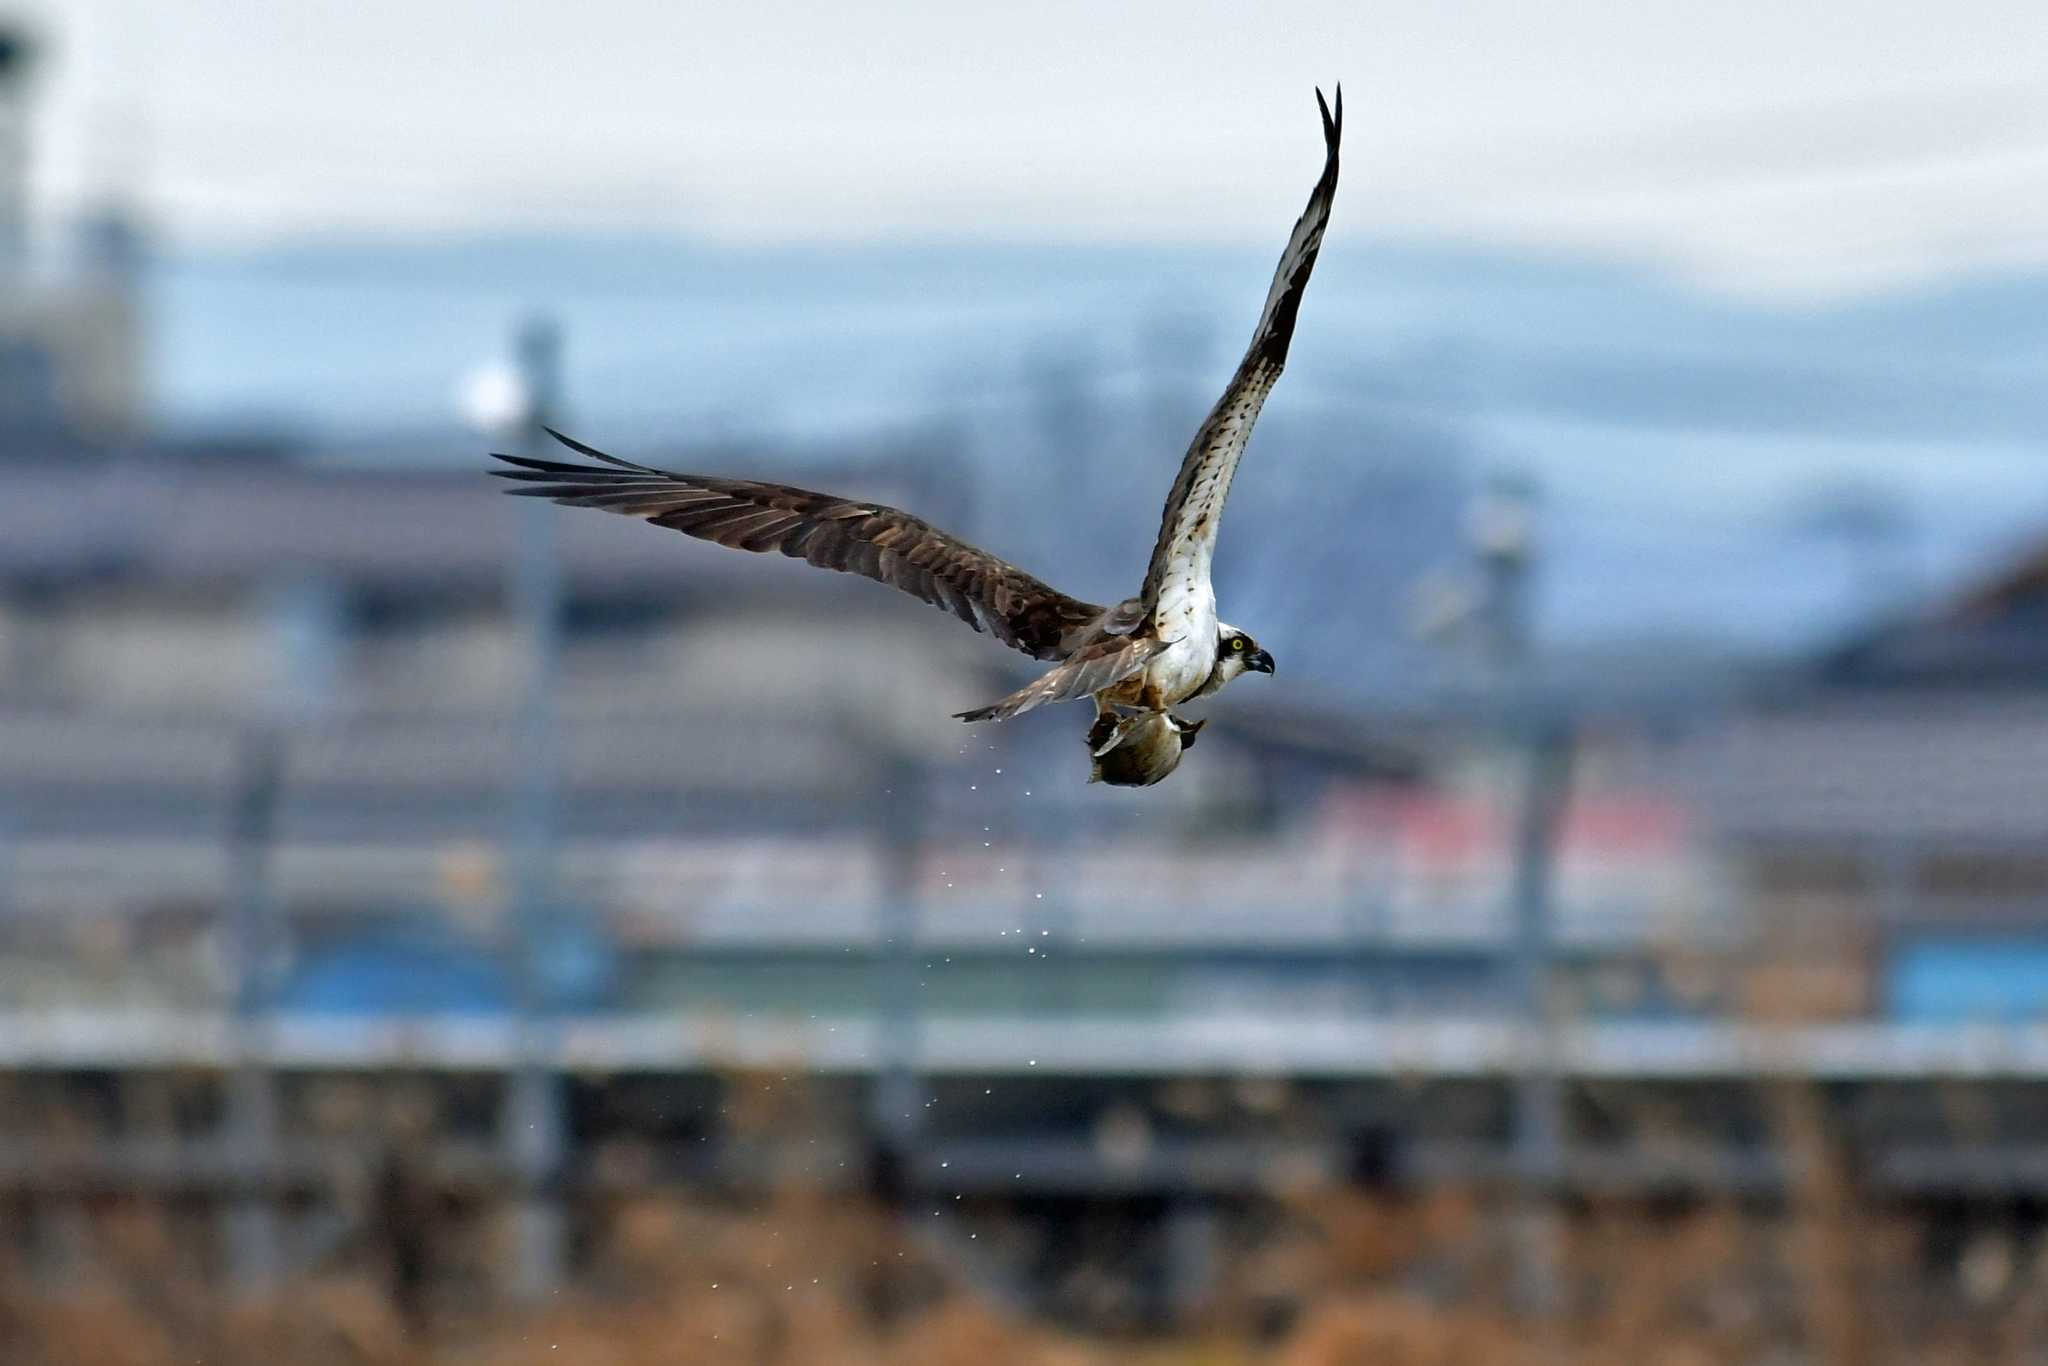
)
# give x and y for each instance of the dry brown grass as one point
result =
(809, 1278)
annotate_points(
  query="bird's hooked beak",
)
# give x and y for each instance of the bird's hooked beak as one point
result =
(1260, 663)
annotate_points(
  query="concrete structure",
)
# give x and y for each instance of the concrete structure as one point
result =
(71, 377)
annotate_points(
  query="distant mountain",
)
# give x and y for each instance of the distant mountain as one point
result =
(1674, 432)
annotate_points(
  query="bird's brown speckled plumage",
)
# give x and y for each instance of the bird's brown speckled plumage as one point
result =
(881, 543)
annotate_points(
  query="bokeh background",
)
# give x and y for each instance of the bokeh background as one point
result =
(435, 927)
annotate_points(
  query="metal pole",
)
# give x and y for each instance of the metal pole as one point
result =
(532, 1121)
(1539, 1102)
(17, 69)
(1504, 536)
(897, 1113)
(251, 1099)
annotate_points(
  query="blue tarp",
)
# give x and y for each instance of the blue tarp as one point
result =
(426, 971)
(1961, 978)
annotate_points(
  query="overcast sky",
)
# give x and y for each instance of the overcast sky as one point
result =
(1762, 145)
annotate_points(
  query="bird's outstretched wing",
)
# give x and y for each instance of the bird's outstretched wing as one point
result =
(1187, 532)
(882, 543)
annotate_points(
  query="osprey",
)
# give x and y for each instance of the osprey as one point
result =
(1138, 659)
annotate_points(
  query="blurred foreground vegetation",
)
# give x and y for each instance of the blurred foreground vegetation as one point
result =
(1322, 1277)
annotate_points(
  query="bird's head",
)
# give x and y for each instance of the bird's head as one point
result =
(1238, 653)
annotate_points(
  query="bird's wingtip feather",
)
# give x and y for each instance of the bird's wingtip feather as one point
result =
(582, 448)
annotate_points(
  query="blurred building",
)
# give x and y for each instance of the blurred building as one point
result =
(70, 331)
(727, 724)
(261, 743)
(1883, 804)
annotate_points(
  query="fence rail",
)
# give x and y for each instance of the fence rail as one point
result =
(1072, 1045)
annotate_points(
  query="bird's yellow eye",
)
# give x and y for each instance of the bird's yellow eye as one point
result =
(1237, 644)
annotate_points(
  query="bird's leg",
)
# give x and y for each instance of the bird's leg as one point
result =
(1109, 716)
(1112, 724)
(1110, 731)
(1105, 727)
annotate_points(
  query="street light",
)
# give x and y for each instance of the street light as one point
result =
(495, 399)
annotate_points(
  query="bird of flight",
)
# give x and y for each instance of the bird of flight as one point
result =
(1138, 659)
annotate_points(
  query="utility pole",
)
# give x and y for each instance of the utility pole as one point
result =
(1503, 533)
(1503, 536)
(1539, 1101)
(531, 1119)
(251, 1097)
(17, 69)
(895, 1112)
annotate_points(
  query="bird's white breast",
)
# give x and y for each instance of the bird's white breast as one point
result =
(1186, 615)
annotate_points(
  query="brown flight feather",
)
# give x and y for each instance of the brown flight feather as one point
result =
(882, 543)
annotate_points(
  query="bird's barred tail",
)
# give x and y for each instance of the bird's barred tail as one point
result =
(1090, 670)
